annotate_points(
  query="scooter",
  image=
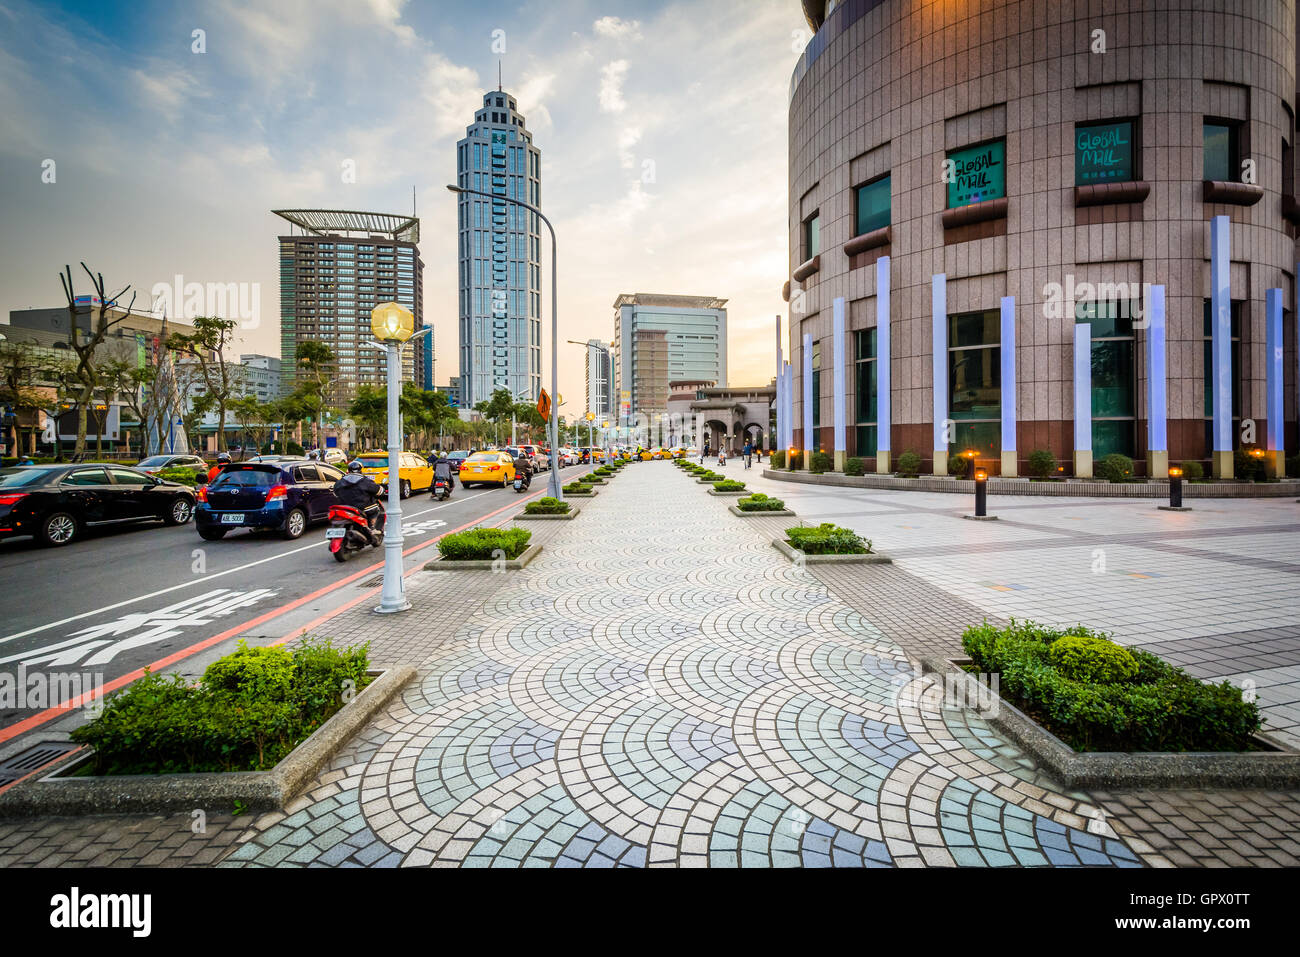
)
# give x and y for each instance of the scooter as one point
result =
(441, 489)
(349, 532)
(522, 481)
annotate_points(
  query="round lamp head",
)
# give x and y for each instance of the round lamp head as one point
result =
(969, 453)
(392, 322)
(981, 475)
(1175, 472)
(1257, 453)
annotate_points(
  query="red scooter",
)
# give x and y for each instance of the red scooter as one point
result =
(349, 532)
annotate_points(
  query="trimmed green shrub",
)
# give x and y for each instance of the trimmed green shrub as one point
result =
(1157, 707)
(1042, 463)
(909, 464)
(1092, 658)
(711, 476)
(796, 460)
(183, 476)
(758, 502)
(729, 485)
(1114, 467)
(855, 466)
(1293, 466)
(1193, 471)
(821, 462)
(827, 539)
(480, 544)
(959, 466)
(547, 505)
(777, 460)
(249, 710)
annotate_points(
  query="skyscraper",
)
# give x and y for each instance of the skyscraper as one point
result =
(660, 339)
(600, 379)
(499, 279)
(332, 274)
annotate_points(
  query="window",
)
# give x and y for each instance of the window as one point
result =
(812, 236)
(865, 389)
(976, 174)
(1103, 153)
(816, 393)
(1207, 353)
(87, 477)
(305, 473)
(1220, 141)
(125, 477)
(975, 381)
(872, 204)
(1114, 377)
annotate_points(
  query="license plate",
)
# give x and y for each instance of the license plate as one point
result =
(231, 519)
(336, 532)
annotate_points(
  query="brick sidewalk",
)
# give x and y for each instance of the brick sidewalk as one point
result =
(660, 687)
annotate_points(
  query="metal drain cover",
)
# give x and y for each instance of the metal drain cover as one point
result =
(37, 756)
(372, 582)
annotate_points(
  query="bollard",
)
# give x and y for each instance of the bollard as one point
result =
(981, 493)
(1175, 488)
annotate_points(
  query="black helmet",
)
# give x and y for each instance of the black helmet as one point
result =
(223, 456)
(354, 466)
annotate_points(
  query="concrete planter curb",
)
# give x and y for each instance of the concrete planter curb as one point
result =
(1108, 770)
(874, 558)
(53, 795)
(707, 481)
(1074, 488)
(734, 491)
(782, 513)
(525, 517)
(590, 494)
(484, 564)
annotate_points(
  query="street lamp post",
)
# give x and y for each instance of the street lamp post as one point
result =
(553, 430)
(392, 325)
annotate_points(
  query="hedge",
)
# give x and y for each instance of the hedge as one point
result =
(758, 502)
(481, 544)
(909, 463)
(855, 466)
(1115, 467)
(247, 712)
(827, 539)
(1042, 463)
(777, 460)
(729, 485)
(1097, 698)
(821, 462)
(547, 505)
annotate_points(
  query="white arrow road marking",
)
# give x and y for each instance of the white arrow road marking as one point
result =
(149, 628)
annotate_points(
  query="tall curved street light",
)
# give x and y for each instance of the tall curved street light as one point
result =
(553, 426)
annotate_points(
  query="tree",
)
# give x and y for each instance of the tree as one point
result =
(369, 408)
(317, 360)
(221, 378)
(21, 373)
(85, 373)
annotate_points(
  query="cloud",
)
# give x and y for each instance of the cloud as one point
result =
(611, 86)
(454, 93)
(616, 28)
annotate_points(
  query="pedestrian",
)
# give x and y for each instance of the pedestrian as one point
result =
(722, 455)
(748, 453)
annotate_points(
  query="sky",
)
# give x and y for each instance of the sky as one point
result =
(662, 128)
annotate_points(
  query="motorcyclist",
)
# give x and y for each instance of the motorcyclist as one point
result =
(442, 471)
(223, 461)
(362, 493)
(524, 467)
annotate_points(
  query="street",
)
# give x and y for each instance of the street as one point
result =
(123, 598)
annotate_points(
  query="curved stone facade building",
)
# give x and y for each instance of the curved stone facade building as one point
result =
(1064, 215)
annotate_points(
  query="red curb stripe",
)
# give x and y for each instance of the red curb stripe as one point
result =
(49, 714)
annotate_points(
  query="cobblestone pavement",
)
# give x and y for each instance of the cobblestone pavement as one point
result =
(1215, 590)
(660, 687)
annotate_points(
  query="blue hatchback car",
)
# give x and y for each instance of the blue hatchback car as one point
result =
(283, 495)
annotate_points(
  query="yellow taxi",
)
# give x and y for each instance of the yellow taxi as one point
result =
(677, 453)
(415, 473)
(487, 468)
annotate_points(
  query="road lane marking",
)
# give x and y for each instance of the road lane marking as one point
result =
(61, 709)
(198, 581)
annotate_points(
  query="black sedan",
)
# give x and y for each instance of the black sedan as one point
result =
(57, 503)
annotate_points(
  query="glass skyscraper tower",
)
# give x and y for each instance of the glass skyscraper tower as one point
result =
(499, 281)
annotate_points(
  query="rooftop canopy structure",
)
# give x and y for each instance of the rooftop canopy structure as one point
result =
(344, 222)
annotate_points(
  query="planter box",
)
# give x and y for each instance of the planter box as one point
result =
(708, 481)
(786, 549)
(779, 513)
(525, 517)
(1277, 768)
(586, 494)
(734, 491)
(485, 564)
(56, 793)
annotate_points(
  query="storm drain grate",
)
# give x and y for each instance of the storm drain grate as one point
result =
(372, 582)
(37, 756)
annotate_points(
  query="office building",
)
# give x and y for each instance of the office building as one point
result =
(499, 274)
(1032, 243)
(660, 339)
(335, 267)
(600, 379)
(261, 376)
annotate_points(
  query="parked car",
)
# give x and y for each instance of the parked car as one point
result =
(457, 458)
(415, 474)
(156, 463)
(487, 468)
(334, 456)
(540, 458)
(283, 496)
(57, 503)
